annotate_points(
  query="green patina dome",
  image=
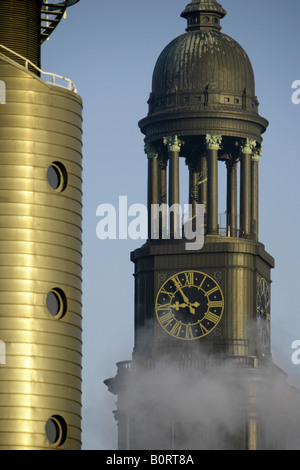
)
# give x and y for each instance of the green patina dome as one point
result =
(204, 72)
(204, 61)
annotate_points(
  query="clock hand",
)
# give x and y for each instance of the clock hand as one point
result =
(185, 299)
(192, 310)
(177, 306)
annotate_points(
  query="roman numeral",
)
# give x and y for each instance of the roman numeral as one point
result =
(211, 291)
(212, 317)
(163, 306)
(175, 331)
(203, 329)
(189, 279)
(177, 282)
(202, 282)
(166, 319)
(188, 332)
(164, 291)
(215, 304)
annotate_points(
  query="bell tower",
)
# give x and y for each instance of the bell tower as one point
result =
(202, 362)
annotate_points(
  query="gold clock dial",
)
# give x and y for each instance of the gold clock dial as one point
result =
(189, 305)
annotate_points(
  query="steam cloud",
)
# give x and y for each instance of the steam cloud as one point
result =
(177, 405)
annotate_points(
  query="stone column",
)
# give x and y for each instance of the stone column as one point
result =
(163, 225)
(213, 145)
(194, 172)
(153, 187)
(231, 198)
(193, 185)
(203, 182)
(245, 188)
(255, 193)
(174, 145)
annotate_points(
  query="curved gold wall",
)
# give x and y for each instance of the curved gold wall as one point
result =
(40, 250)
(20, 26)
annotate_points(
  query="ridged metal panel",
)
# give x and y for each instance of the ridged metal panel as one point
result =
(200, 58)
(20, 28)
(203, 83)
(40, 249)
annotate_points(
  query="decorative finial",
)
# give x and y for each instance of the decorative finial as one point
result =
(203, 14)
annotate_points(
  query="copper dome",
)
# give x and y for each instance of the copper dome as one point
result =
(204, 74)
(203, 61)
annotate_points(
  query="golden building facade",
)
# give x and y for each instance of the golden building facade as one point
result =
(40, 242)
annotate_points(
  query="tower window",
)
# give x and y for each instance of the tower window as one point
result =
(57, 176)
(186, 99)
(56, 303)
(226, 99)
(236, 100)
(56, 430)
(206, 19)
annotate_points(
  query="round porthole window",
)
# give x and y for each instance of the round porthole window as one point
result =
(56, 303)
(57, 176)
(56, 430)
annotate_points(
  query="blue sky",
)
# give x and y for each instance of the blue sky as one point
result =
(109, 50)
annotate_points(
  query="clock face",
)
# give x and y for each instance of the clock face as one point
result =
(189, 305)
(263, 313)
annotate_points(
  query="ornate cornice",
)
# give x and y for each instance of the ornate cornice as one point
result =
(248, 146)
(213, 142)
(256, 155)
(150, 151)
(173, 143)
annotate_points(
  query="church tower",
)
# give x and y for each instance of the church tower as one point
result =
(201, 368)
(40, 236)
